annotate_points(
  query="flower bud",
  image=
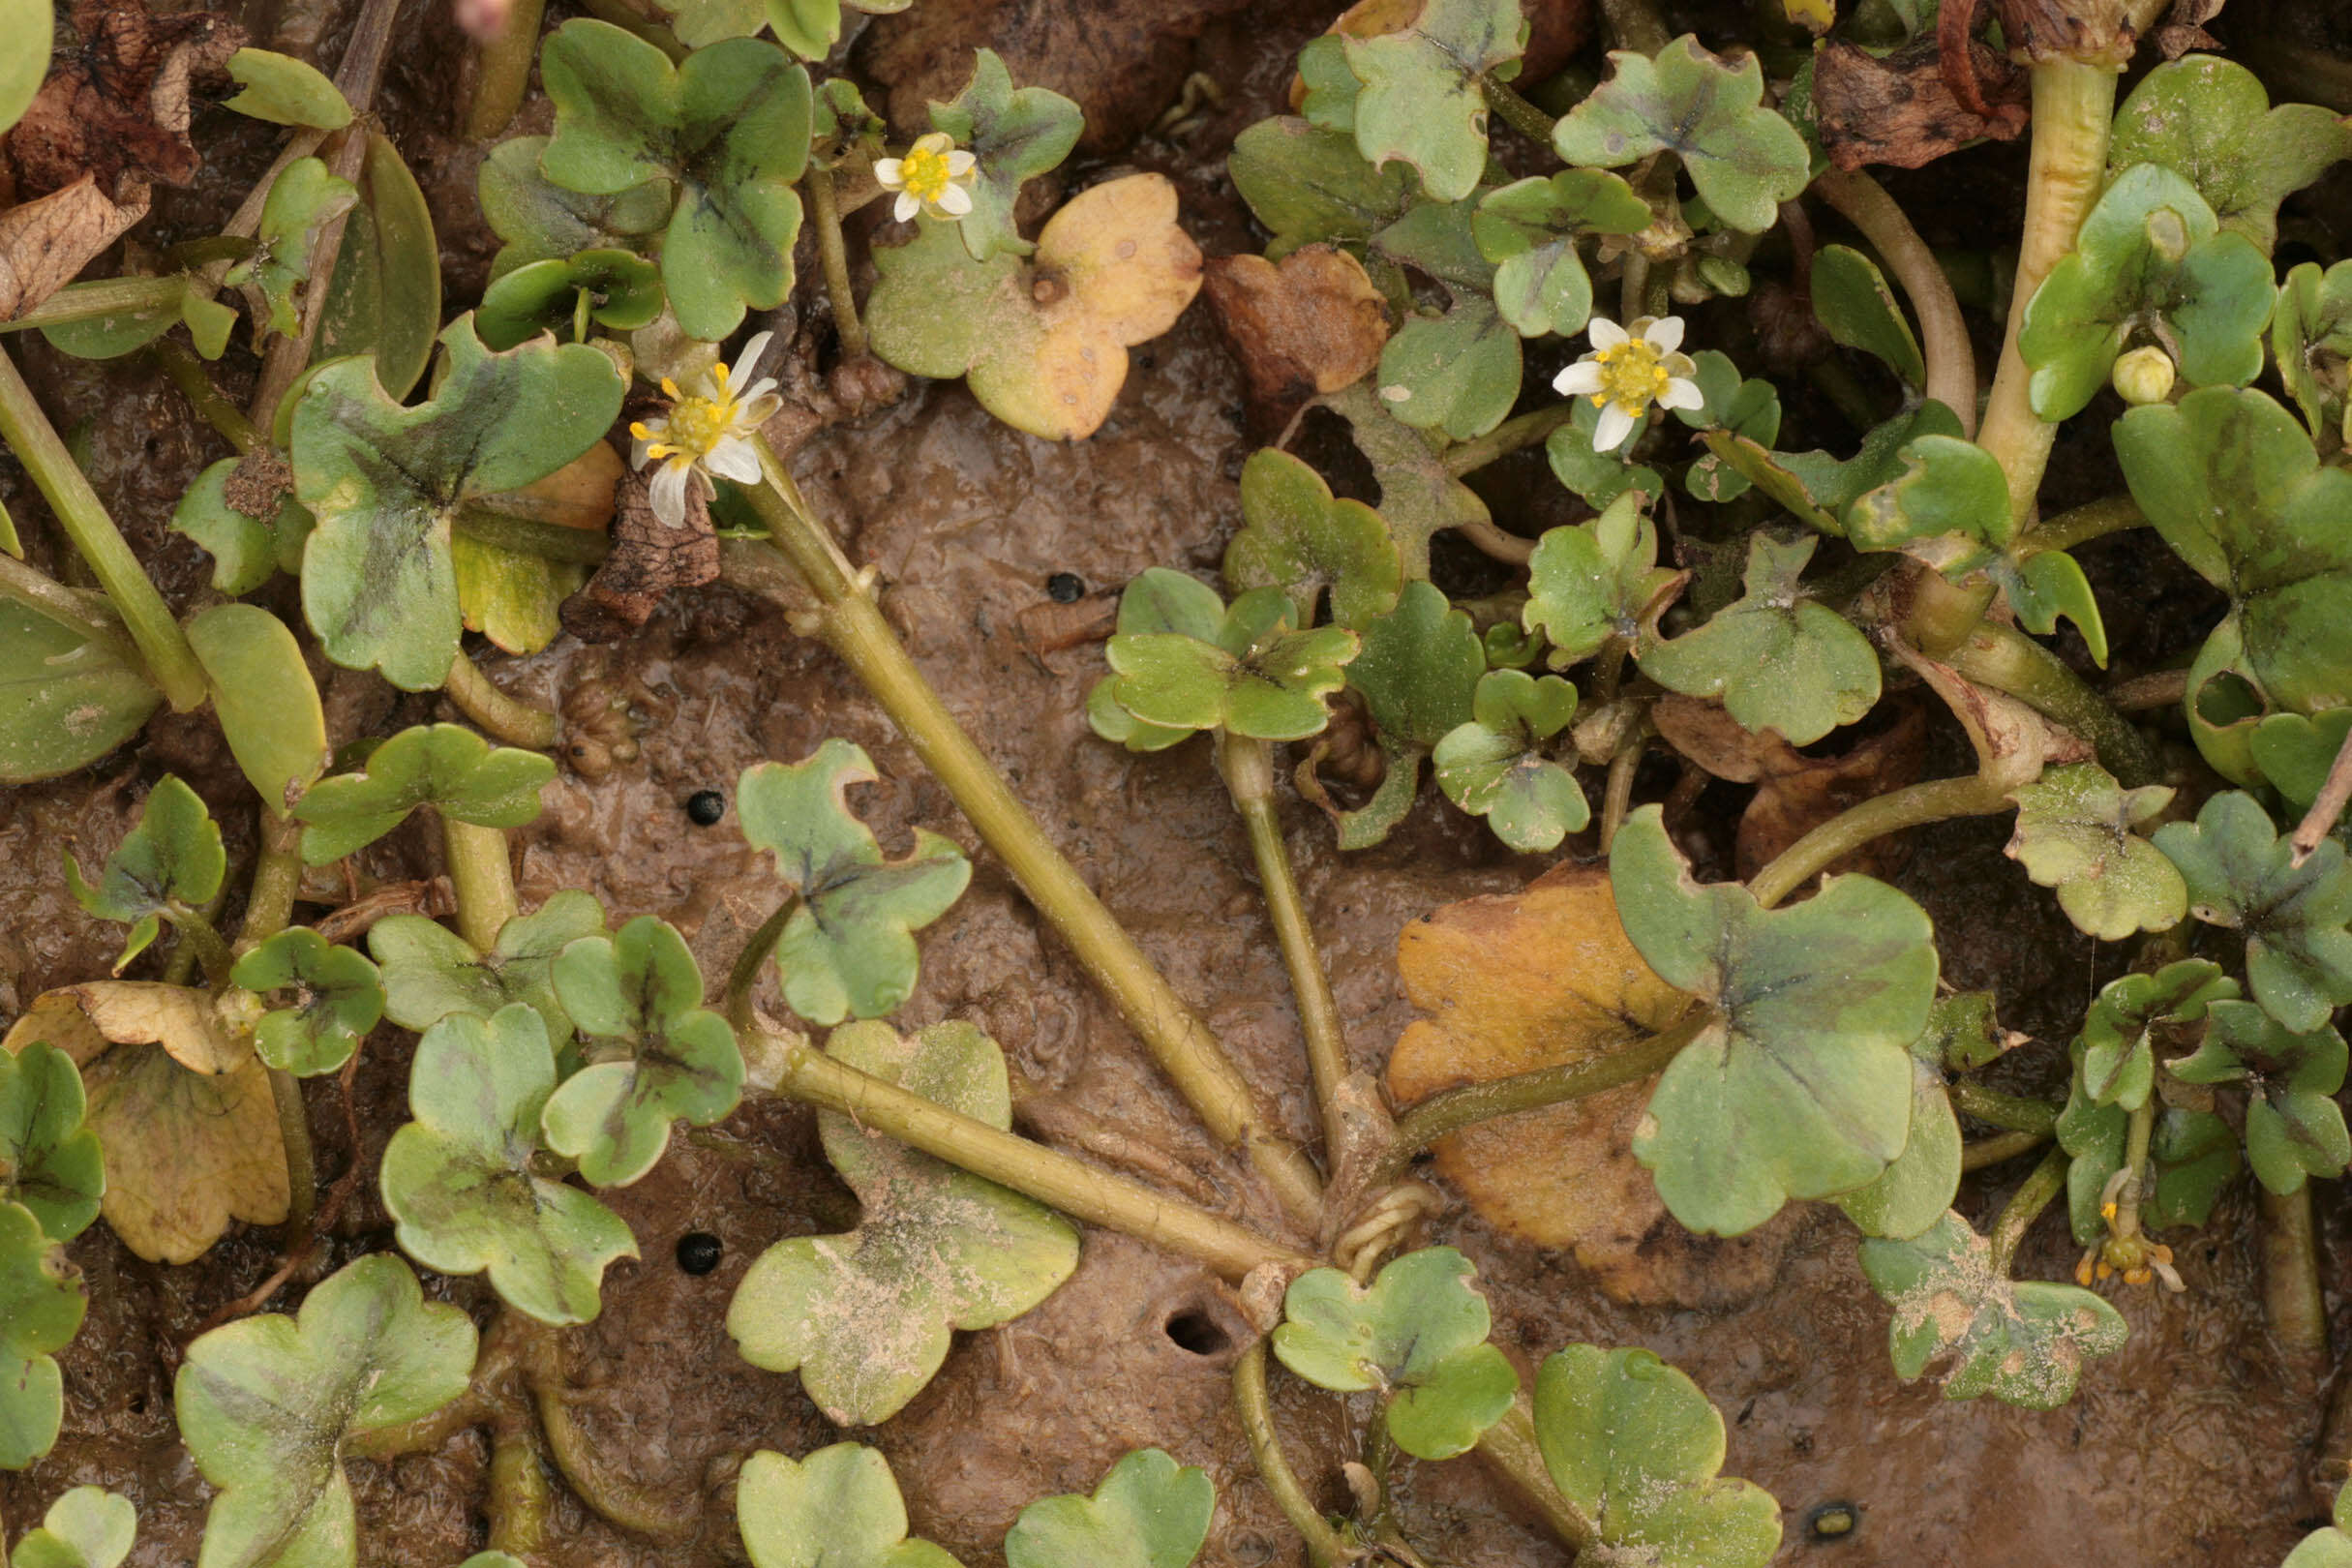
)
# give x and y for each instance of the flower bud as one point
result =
(2144, 374)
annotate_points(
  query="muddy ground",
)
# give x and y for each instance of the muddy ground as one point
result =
(2187, 1448)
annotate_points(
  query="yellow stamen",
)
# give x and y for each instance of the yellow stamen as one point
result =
(1633, 375)
(923, 171)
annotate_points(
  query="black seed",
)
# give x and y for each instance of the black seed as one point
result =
(704, 808)
(698, 1251)
(1834, 1521)
(1066, 587)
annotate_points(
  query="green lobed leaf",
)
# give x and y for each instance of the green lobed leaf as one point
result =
(1260, 677)
(1599, 478)
(1419, 669)
(848, 949)
(2241, 873)
(1297, 536)
(655, 1054)
(2295, 753)
(1457, 372)
(246, 550)
(541, 221)
(2023, 1343)
(1778, 659)
(1416, 1334)
(1744, 158)
(2194, 1154)
(1494, 766)
(430, 971)
(85, 1527)
(839, 1508)
(1855, 307)
(1015, 135)
(446, 766)
(613, 288)
(1422, 102)
(1148, 1512)
(338, 998)
(41, 1302)
(171, 861)
(1418, 496)
(285, 91)
(865, 1318)
(266, 1404)
(384, 298)
(1950, 508)
(2293, 1128)
(49, 1159)
(1595, 581)
(385, 483)
(264, 699)
(2209, 120)
(1332, 88)
(1154, 600)
(1748, 408)
(2311, 339)
(1635, 1445)
(302, 201)
(1530, 229)
(1310, 186)
(1800, 1084)
(2075, 833)
(1910, 1194)
(2116, 1064)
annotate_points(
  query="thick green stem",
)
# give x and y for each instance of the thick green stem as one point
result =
(505, 718)
(519, 1497)
(269, 903)
(2033, 1195)
(1951, 359)
(84, 516)
(826, 211)
(2290, 1272)
(1510, 1446)
(1324, 1548)
(102, 297)
(2007, 659)
(504, 73)
(619, 1500)
(2001, 1146)
(1507, 438)
(852, 624)
(1051, 1177)
(199, 936)
(1912, 806)
(188, 374)
(1516, 112)
(2011, 1113)
(2079, 525)
(1247, 767)
(301, 1162)
(482, 879)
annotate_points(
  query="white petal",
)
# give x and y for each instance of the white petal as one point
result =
(750, 360)
(889, 173)
(905, 208)
(1579, 379)
(637, 451)
(754, 411)
(960, 164)
(1603, 333)
(1614, 426)
(755, 392)
(1681, 394)
(935, 141)
(1665, 334)
(668, 493)
(955, 200)
(734, 457)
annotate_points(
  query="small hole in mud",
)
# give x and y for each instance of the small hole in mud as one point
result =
(1196, 1331)
(698, 1251)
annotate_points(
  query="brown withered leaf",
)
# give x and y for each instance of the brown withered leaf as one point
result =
(1906, 109)
(117, 107)
(649, 560)
(1545, 976)
(45, 242)
(1312, 325)
(2183, 28)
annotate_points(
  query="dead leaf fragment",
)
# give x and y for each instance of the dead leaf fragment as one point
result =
(45, 243)
(181, 1019)
(649, 560)
(1519, 982)
(2183, 28)
(1312, 325)
(117, 107)
(1904, 109)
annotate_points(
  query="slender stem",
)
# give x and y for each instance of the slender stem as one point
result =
(84, 516)
(85, 612)
(2079, 525)
(2011, 1113)
(504, 76)
(2007, 659)
(1490, 541)
(1632, 286)
(1951, 359)
(2073, 104)
(1510, 1446)
(2159, 688)
(746, 971)
(852, 624)
(199, 936)
(101, 297)
(1912, 807)
(2290, 1272)
(1516, 112)
(301, 1162)
(1507, 438)
(505, 718)
(1616, 798)
(519, 1494)
(1324, 1548)
(2033, 1195)
(617, 1498)
(827, 210)
(269, 903)
(1248, 769)
(2000, 1147)
(534, 535)
(188, 374)
(2138, 1134)
(1053, 1178)
(2320, 821)
(484, 881)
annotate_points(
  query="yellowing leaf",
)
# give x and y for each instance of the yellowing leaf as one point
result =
(184, 1021)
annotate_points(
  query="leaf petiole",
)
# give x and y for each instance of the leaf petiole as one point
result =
(484, 881)
(506, 719)
(1324, 1548)
(826, 208)
(2033, 1195)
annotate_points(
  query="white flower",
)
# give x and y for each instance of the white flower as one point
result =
(930, 178)
(1629, 369)
(708, 431)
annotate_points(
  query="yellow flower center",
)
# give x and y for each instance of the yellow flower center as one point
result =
(696, 423)
(1633, 375)
(923, 171)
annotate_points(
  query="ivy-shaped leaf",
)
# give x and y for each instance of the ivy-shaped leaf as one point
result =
(1530, 229)
(1297, 536)
(430, 971)
(1599, 478)
(2311, 340)
(1416, 1334)
(848, 949)
(1015, 135)
(638, 993)
(2151, 259)
(1637, 1447)
(839, 1508)
(1800, 1085)
(446, 766)
(1744, 158)
(2023, 1343)
(50, 1161)
(1419, 669)
(267, 1404)
(2118, 1057)
(865, 1318)
(1494, 766)
(1310, 186)
(1778, 659)
(1421, 100)
(302, 201)
(458, 1180)
(2293, 1128)
(1148, 1512)
(386, 481)
(85, 1527)
(1260, 677)
(2209, 120)
(729, 125)
(2074, 832)
(171, 863)
(541, 221)
(1855, 307)
(1156, 600)
(1595, 581)
(2295, 753)
(338, 998)
(41, 1302)
(1912, 1193)
(2242, 874)
(619, 290)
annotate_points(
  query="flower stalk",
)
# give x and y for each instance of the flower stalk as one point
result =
(482, 879)
(1324, 1548)
(825, 207)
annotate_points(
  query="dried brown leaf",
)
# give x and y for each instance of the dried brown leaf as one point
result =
(1312, 325)
(119, 105)
(649, 560)
(1906, 109)
(45, 243)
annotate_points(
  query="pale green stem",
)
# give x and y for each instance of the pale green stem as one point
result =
(1617, 795)
(534, 535)
(84, 613)
(617, 1498)
(825, 210)
(852, 624)
(1324, 1548)
(1912, 806)
(2079, 525)
(199, 936)
(2011, 1113)
(84, 516)
(2139, 1131)
(2290, 1272)
(2033, 1195)
(504, 73)
(269, 903)
(1247, 767)
(301, 1161)
(1521, 115)
(482, 879)
(102, 297)
(1510, 1446)
(2001, 1146)
(1951, 359)
(188, 374)
(1507, 438)
(2007, 659)
(504, 717)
